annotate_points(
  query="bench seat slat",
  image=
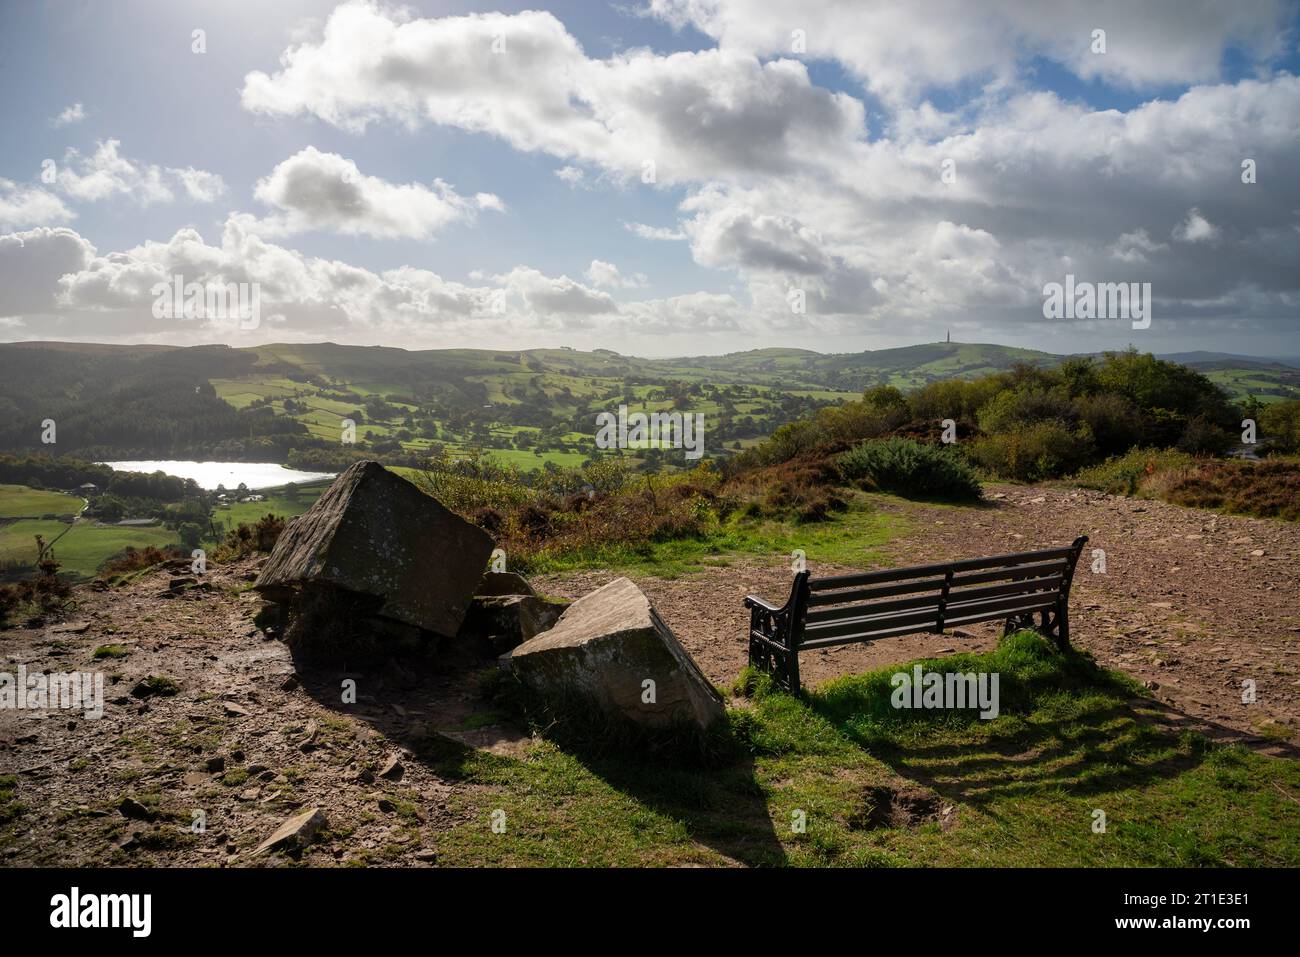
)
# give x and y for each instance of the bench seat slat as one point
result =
(1049, 585)
(863, 617)
(930, 571)
(919, 620)
(851, 639)
(880, 591)
(955, 598)
(990, 614)
(1035, 570)
(849, 632)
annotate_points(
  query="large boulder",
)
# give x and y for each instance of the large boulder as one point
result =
(605, 649)
(375, 535)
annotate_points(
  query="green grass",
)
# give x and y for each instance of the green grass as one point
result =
(1071, 739)
(853, 538)
(84, 548)
(19, 501)
(18, 539)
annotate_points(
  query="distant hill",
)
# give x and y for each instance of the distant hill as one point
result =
(271, 402)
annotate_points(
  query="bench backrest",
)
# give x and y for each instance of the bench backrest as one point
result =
(900, 601)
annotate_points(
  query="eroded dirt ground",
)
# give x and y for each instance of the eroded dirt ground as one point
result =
(1191, 603)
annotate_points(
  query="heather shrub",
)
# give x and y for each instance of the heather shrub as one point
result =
(910, 468)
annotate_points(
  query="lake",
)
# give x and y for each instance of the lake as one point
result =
(211, 474)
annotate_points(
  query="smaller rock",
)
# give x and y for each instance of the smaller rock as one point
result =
(393, 768)
(133, 809)
(427, 856)
(236, 711)
(289, 684)
(295, 833)
(503, 583)
(385, 805)
(215, 765)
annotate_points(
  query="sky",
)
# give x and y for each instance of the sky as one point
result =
(671, 177)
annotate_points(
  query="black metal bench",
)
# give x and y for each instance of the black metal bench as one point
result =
(822, 612)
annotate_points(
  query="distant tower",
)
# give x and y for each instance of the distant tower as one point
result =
(949, 339)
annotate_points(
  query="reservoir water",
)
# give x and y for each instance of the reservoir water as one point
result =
(209, 475)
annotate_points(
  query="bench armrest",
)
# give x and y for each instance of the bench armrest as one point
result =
(753, 601)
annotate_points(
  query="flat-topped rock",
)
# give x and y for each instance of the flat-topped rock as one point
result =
(375, 534)
(613, 649)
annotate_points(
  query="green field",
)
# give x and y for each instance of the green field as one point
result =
(19, 501)
(278, 502)
(83, 548)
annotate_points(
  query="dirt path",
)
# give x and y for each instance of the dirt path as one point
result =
(1191, 603)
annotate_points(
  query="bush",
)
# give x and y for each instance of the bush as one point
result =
(1279, 426)
(1203, 437)
(1269, 489)
(1124, 474)
(250, 539)
(44, 592)
(910, 468)
(1032, 453)
(134, 559)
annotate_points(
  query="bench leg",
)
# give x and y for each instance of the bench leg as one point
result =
(782, 665)
(1017, 623)
(1062, 627)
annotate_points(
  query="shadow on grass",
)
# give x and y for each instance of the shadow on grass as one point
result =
(462, 725)
(1064, 724)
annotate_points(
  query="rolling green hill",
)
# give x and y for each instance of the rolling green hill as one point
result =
(527, 407)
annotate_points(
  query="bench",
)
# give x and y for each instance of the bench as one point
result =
(839, 610)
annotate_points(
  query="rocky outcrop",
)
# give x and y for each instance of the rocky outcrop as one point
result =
(376, 536)
(612, 649)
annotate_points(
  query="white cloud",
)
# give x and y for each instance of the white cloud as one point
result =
(1135, 247)
(900, 50)
(601, 273)
(22, 206)
(572, 175)
(31, 263)
(73, 114)
(325, 191)
(200, 185)
(1195, 228)
(107, 173)
(661, 233)
(690, 114)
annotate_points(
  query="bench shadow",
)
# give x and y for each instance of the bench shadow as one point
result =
(1114, 747)
(438, 714)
